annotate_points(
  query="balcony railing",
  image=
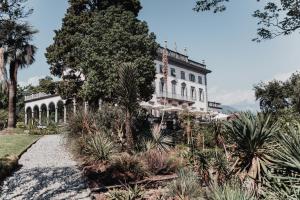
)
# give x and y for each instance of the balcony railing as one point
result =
(175, 96)
(36, 96)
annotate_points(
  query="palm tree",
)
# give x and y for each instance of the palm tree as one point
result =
(127, 93)
(253, 138)
(17, 54)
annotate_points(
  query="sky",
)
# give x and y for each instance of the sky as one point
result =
(222, 40)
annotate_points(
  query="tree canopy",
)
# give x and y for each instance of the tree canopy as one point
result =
(92, 45)
(276, 96)
(277, 17)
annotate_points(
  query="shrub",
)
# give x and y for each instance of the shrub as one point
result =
(98, 147)
(253, 139)
(126, 168)
(186, 186)
(21, 125)
(158, 163)
(159, 140)
(7, 165)
(229, 192)
(131, 193)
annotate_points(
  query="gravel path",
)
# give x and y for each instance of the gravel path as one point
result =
(47, 172)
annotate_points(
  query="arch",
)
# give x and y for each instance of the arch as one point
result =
(51, 110)
(29, 115)
(44, 119)
(60, 111)
(36, 114)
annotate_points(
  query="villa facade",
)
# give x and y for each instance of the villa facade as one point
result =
(186, 88)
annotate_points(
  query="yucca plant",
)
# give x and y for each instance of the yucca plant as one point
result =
(286, 164)
(159, 140)
(229, 192)
(252, 137)
(186, 186)
(130, 193)
(98, 147)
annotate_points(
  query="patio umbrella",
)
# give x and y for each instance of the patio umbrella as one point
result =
(172, 109)
(146, 105)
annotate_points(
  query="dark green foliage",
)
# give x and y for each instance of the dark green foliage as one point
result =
(98, 41)
(276, 17)
(253, 139)
(279, 97)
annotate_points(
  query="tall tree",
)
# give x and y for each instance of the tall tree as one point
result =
(96, 39)
(277, 17)
(17, 52)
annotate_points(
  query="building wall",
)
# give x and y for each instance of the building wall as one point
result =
(199, 105)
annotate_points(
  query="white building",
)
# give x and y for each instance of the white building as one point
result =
(186, 89)
(186, 83)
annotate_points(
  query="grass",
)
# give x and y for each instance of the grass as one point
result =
(14, 145)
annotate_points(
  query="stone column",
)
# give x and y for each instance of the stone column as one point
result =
(86, 105)
(40, 117)
(56, 114)
(48, 115)
(100, 104)
(74, 105)
(32, 117)
(65, 113)
(26, 120)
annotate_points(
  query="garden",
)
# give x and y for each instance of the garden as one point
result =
(251, 156)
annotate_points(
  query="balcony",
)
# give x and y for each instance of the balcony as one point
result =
(178, 97)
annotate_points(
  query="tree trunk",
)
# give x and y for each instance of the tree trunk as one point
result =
(129, 136)
(12, 96)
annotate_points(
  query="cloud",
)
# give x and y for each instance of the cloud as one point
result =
(34, 81)
(240, 99)
(284, 76)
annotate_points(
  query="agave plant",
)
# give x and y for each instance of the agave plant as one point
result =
(98, 146)
(286, 163)
(253, 139)
(159, 140)
(186, 186)
(230, 192)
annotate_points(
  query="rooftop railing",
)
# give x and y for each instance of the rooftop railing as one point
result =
(36, 96)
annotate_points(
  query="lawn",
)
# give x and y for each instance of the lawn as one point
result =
(15, 144)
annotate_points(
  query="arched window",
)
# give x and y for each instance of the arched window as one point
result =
(174, 83)
(161, 85)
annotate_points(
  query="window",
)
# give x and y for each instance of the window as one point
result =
(183, 89)
(201, 94)
(161, 85)
(182, 75)
(192, 77)
(173, 72)
(161, 69)
(193, 93)
(200, 80)
(174, 87)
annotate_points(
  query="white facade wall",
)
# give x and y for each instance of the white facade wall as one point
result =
(195, 104)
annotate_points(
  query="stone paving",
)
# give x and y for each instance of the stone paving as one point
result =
(48, 172)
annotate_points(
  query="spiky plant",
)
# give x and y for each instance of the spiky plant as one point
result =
(229, 192)
(253, 139)
(98, 147)
(130, 193)
(186, 186)
(159, 140)
(284, 182)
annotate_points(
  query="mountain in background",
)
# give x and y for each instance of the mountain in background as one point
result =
(228, 109)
